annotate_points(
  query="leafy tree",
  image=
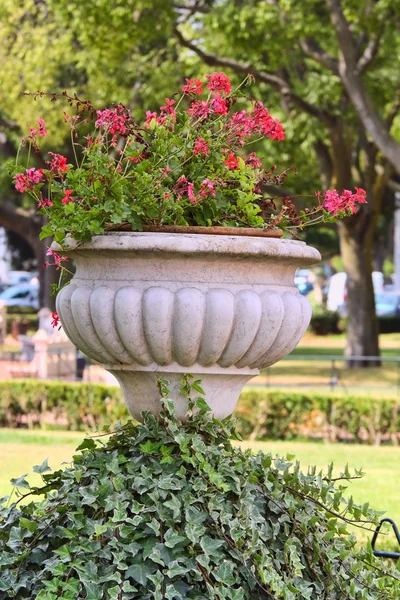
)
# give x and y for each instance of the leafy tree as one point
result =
(336, 64)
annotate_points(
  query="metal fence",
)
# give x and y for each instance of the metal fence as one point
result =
(334, 372)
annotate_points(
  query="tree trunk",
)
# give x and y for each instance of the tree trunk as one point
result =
(362, 323)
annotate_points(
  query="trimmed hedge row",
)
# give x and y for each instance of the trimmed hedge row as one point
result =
(261, 413)
(280, 415)
(328, 322)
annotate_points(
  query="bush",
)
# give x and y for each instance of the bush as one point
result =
(282, 415)
(172, 511)
(324, 321)
(389, 324)
(75, 406)
(261, 413)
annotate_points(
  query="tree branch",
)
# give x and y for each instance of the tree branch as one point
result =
(348, 71)
(314, 51)
(371, 50)
(270, 78)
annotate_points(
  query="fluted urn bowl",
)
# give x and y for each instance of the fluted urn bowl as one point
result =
(150, 305)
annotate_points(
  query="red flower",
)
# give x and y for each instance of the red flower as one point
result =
(42, 131)
(345, 202)
(199, 109)
(45, 202)
(25, 181)
(58, 163)
(193, 86)
(219, 105)
(150, 116)
(56, 319)
(265, 124)
(113, 120)
(232, 162)
(219, 82)
(201, 147)
(67, 198)
(253, 160)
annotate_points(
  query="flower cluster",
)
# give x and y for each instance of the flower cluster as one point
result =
(187, 165)
(344, 203)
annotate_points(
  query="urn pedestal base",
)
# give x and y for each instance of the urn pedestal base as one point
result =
(221, 391)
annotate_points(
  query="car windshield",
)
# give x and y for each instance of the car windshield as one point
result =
(387, 299)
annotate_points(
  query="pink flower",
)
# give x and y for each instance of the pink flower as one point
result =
(58, 163)
(193, 86)
(241, 124)
(57, 258)
(201, 147)
(207, 188)
(190, 193)
(113, 120)
(34, 175)
(168, 107)
(253, 160)
(45, 202)
(67, 198)
(55, 319)
(41, 131)
(346, 202)
(219, 105)
(219, 82)
(150, 116)
(199, 109)
(232, 162)
(25, 181)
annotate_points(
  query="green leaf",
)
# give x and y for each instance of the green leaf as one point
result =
(87, 444)
(139, 572)
(211, 546)
(20, 482)
(43, 468)
(27, 524)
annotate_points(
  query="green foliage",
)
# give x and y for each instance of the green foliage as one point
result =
(324, 321)
(280, 415)
(78, 406)
(171, 510)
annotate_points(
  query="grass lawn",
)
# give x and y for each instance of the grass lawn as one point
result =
(20, 450)
(297, 370)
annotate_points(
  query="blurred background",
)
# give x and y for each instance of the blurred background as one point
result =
(328, 69)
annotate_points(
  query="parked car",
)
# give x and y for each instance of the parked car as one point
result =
(387, 304)
(302, 281)
(17, 277)
(23, 295)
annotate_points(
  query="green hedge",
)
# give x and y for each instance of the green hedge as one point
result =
(279, 415)
(261, 413)
(74, 406)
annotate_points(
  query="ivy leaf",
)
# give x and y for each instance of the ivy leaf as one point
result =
(139, 572)
(43, 468)
(27, 524)
(21, 482)
(87, 444)
(210, 546)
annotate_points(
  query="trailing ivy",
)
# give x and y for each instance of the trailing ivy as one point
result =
(172, 511)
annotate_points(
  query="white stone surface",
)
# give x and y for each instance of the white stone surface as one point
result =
(156, 304)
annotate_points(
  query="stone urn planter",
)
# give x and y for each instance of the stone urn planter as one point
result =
(220, 307)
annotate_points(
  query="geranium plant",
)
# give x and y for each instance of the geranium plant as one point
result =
(189, 164)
